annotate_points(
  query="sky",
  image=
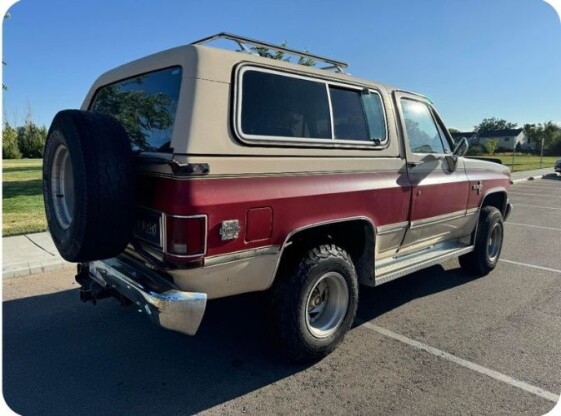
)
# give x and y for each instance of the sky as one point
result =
(474, 58)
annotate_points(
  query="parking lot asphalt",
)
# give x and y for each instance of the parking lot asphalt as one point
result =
(435, 342)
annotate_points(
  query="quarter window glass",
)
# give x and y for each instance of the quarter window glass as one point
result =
(357, 115)
(421, 131)
(349, 119)
(374, 110)
(145, 105)
(281, 106)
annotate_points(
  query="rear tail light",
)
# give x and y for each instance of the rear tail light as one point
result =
(185, 236)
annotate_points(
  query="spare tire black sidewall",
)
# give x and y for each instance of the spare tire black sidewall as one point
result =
(65, 239)
(104, 188)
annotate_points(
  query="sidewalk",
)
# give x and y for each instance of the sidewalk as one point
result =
(36, 253)
(23, 255)
(532, 174)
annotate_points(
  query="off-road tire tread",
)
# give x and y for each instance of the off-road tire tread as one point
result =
(285, 294)
(477, 262)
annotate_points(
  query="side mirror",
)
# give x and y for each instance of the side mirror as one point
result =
(461, 147)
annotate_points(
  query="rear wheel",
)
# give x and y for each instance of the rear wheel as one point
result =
(314, 303)
(488, 243)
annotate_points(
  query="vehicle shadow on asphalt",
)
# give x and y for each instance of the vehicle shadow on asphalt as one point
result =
(64, 357)
(61, 356)
(379, 300)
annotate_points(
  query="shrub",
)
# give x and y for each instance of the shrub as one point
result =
(475, 150)
(491, 146)
(10, 148)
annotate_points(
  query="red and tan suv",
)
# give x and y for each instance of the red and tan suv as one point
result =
(199, 173)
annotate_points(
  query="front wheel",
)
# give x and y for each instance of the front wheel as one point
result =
(488, 243)
(313, 304)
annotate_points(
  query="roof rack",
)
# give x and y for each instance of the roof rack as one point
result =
(243, 43)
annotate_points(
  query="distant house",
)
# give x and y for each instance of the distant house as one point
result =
(508, 139)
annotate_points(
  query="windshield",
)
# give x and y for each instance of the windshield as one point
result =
(145, 105)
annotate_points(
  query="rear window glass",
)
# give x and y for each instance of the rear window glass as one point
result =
(145, 105)
(282, 106)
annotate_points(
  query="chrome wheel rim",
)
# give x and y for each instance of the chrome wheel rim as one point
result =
(494, 243)
(62, 187)
(326, 305)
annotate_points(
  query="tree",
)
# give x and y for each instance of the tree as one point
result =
(493, 124)
(31, 139)
(280, 55)
(551, 134)
(533, 133)
(548, 131)
(10, 148)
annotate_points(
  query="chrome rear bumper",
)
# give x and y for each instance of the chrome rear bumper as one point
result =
(152, 293)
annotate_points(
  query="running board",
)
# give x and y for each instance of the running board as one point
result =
(399, 266)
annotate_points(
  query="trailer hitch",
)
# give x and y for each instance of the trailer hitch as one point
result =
(92, 291)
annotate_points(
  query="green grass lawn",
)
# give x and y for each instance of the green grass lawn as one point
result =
(22, 197)
(526, 162)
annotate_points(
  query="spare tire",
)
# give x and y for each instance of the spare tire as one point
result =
(88, 185)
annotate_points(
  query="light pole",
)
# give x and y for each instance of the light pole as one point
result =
(513, 150)
(541, 153)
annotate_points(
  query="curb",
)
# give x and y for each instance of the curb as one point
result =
(29, 269)
(532, 178)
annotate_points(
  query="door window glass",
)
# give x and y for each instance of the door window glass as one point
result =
(421, 130)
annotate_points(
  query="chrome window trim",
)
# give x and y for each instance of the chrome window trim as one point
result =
(205, 239)
(280, 141)
(331, 116)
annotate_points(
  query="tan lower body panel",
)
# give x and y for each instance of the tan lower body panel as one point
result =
(230, 277)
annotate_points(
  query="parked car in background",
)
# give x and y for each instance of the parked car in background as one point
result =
(558, 166)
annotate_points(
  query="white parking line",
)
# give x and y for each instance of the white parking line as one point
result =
(535, 186)
(531, 265)
(536, 206)
(533, 226)
(465, 363)
(540, 195)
